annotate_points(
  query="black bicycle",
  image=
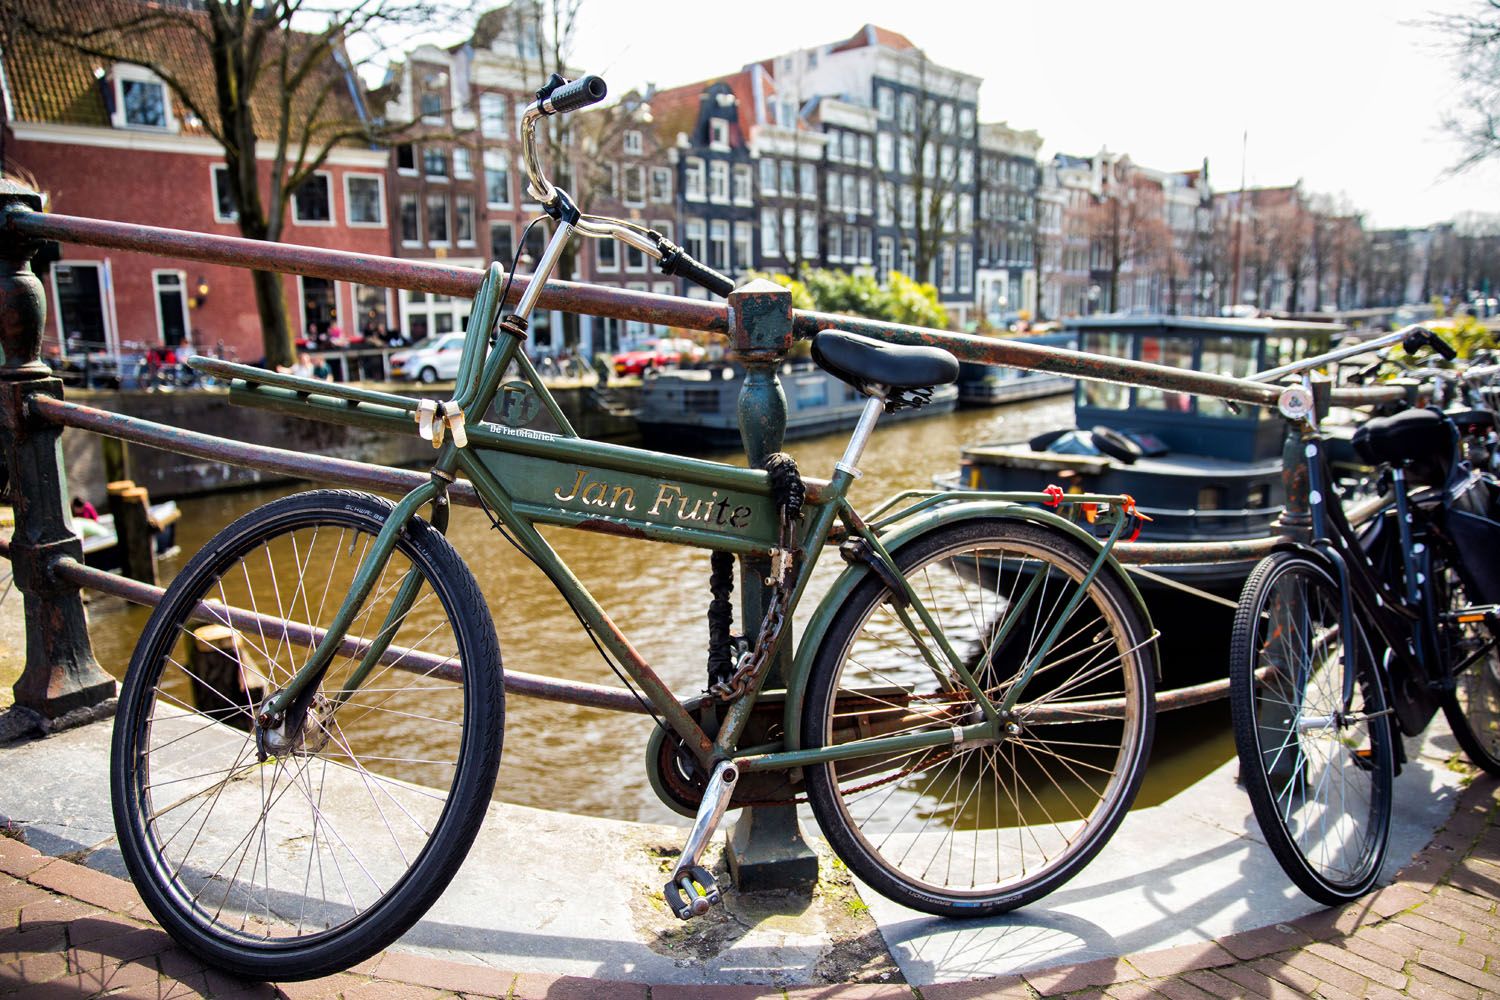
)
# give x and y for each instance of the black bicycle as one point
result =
(1346, 639)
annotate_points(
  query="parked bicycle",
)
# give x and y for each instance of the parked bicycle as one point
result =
(1345, 641)
(310, 728)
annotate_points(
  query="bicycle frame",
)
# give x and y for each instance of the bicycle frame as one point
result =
(529, 478)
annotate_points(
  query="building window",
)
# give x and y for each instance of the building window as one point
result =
(833, 201)
(718, 133)
(866, 238)
(945, 117)
(885, 260)
(770, 239)
(493, 115)
(906, 161)
(718, 244)
(606, 255)
(364, 199)
(908, 112)
(171, 306)
(435, 162)
(502, 243)
(661, 184)
(463, 220)
(866, 196)
(663, 226)
(885, 102)
(849, 143)
(609, 180)
(908, 206)
(743, 246)
(693, 179)
(809, 236)
(411, 222)
(850, 192)
(768, 177)
(865, 156)
(693, 238)
(406, 158)
(807, 180)
(886, 216)
(833, 145)
(312, 201)
(945, 271)
(437, 219)
(432, 108)
(788, 179)
(372, 311)
(462, 165)
(635, 184)
(885, 151)
(496, 178)
(718, 182)
(141, 100)
(966, 122)
(835, 243)
(633, 144)
(965, 268)
(740, 184)
(225, 210)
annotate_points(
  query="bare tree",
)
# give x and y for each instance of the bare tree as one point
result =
(269, 83)
(1474, 37)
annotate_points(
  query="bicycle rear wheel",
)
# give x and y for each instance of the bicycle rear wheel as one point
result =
(1472, 707)
(976, 829)
(1318, 772)
(296, 852)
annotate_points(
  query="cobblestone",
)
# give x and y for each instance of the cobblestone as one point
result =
(70, 932)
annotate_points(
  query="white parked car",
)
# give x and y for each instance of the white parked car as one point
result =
(430, 359)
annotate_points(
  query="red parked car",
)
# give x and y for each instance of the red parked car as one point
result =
(668, 352)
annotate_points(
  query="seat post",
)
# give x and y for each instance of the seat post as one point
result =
(874, 405)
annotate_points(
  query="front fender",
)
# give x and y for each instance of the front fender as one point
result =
(904, 534)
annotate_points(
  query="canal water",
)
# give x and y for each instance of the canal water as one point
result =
(593, 762)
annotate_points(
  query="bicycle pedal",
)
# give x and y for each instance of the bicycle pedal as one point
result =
(683, 896)
(1364, 759)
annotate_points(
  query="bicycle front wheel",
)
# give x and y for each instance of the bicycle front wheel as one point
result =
(1315, 746)
(979, 828)
(294, 852)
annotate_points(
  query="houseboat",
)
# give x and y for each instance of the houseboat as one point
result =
(1202, 469)
(990, 385)
(697, 409)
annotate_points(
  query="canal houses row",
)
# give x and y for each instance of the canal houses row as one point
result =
(860, 154)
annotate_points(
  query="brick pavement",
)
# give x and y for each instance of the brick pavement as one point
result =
(67, 932)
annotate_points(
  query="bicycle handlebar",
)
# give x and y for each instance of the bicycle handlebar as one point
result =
(1416, 335)
(560, 96)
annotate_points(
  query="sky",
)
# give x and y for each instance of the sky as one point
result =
(1346, 96)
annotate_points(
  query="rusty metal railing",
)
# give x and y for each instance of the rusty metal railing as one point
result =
(61, 675)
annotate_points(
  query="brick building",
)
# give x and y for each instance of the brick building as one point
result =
(110, 140)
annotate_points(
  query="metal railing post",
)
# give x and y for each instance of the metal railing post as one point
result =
(766, 846)
(62, 683)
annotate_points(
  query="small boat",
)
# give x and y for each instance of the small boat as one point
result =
(697, 409)
(101, 546)
(990, 385)
(1200, 468)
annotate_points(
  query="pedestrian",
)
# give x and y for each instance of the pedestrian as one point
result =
(82, 508)
(304, 365)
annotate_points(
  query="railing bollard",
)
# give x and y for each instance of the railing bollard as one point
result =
(766, 847)
(62, 683)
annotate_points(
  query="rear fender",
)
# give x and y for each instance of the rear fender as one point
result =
(907, 532)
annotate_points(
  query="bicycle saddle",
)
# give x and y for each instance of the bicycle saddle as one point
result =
(1404, 437)
(863, 362)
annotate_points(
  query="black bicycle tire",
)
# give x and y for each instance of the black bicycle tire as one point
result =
(1242, 667)
(823, 794)
(1460, 722)
(463, 813)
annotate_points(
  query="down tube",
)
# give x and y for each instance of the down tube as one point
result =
(652, 686)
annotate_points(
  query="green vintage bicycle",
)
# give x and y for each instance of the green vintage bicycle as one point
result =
(308, 736)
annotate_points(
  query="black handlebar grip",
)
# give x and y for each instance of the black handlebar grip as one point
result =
(1442, 347)
(580, 93)
(700, 273)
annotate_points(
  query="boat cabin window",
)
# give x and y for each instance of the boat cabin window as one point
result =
(1233, 356)
(1176, 352)
(1106, 394)
(1284, 350)
(1211, 498)
(1259, 497)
